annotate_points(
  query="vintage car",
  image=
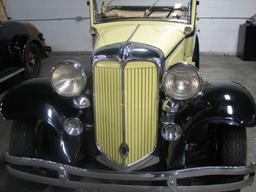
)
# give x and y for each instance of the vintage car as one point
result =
(22, 47)
(142, 120)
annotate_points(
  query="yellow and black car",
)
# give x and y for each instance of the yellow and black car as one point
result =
(143, 120)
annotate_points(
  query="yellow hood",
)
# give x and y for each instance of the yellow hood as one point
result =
(162, 36)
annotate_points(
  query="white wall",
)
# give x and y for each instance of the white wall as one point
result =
(62, 35)
(216, 35)
(220, 35)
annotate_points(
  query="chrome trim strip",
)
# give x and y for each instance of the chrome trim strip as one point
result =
(133, 33)
(11, 75)
(174, 49)
(1, 112)
(123, 64)
(170, 177)
(123, 53)
(115, 52)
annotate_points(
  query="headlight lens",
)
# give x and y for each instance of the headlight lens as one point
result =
(69, 78)
(182, 81)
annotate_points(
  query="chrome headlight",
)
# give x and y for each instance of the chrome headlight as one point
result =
(73, 126)
(69, 78)
(171, 132)
(182, 81)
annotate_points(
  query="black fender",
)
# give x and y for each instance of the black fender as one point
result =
(220, 102)
(223, 102)
(36, 99)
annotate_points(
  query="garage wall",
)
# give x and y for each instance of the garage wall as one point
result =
(218, 24)
(55, 18)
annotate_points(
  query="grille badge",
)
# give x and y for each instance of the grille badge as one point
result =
(124, 150)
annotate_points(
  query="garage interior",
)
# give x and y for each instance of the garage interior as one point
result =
(65, 24)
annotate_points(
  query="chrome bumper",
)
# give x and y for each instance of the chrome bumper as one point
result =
(170, 177)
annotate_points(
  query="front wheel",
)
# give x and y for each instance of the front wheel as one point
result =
(32, 61)
(22, 138)
(22, 144)
(232, 149)
(233, 146)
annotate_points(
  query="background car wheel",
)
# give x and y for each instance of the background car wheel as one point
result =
(22, 144)
(232, 149)
(196, 53)
(32, 61)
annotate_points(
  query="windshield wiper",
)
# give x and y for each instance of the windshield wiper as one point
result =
(147, 12)
(109, 3)
(104, 6)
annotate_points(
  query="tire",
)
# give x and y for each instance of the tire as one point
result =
(196, 53)
(21, 139)
(232, 146)
(22, 144)
(32, 61)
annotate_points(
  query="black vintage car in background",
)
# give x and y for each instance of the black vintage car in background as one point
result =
(22, 47)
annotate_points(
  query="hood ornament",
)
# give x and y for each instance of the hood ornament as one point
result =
(124, 150)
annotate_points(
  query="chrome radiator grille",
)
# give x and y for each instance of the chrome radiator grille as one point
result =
(126, 109)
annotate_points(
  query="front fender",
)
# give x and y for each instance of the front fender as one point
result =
(36, 99)
(221, 102)
(29, 99)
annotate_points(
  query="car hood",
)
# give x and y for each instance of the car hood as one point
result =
(163, 37)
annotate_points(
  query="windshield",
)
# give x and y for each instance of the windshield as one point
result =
(172, 10)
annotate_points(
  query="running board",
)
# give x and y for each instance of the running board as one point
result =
(9, 73)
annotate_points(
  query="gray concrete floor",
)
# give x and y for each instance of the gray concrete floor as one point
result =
(212, 67)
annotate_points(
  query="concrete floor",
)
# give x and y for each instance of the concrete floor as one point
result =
(212, 67)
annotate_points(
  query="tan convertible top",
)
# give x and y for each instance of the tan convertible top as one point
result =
(3, 15)
(117, 13)
(126, 13)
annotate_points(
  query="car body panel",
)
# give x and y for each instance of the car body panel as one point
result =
(176, 55)
(164, 36)
(225, 102)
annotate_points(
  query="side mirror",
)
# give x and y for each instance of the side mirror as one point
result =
(88, 3)
(197, 3)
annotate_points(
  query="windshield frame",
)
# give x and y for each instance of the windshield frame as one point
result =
(108, 20)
